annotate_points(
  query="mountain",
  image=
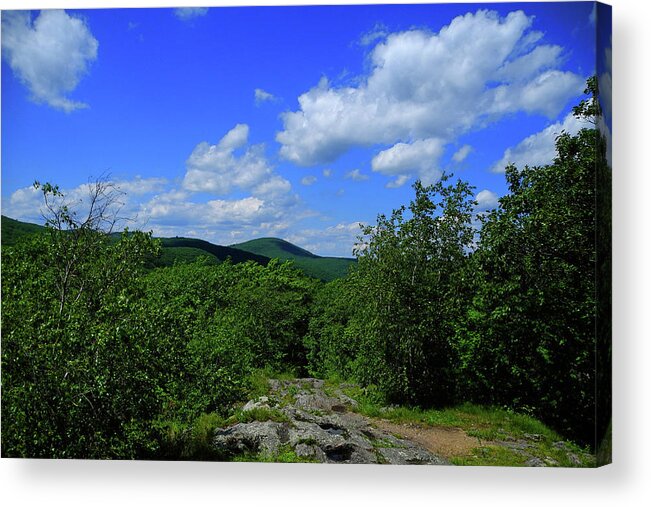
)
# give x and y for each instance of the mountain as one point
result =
(13, 230)
(186, 248)
(324, 268)
(189, 249)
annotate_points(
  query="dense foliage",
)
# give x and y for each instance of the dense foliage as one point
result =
(508, 316)
(105, 357)
(323, 268)
(101, 357)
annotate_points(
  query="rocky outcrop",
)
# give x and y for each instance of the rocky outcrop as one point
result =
(317, 426)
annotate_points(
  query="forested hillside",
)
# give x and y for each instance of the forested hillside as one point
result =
(105, 358)
(323, 268)
(14, 230)
(184, 250)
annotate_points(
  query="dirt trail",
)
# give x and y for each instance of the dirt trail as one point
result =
(443, 441)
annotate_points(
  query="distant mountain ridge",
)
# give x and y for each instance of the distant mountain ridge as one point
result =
(183, 250)
(274, 247)
(218, 251)
(325, 268)
(13, 230)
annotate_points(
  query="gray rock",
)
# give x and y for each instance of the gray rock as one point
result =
(410, 456)
(310, 452)
(574, 459)
(253, 437)
(516, 445)
(535, 462)
(321, 427)
(561, 446)
(261, 402)
(549, 461)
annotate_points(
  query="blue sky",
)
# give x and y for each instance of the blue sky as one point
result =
(296, 122)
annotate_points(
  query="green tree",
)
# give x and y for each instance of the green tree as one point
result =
(74, 369)
(528, 340)
(409, 275)
(331, 343)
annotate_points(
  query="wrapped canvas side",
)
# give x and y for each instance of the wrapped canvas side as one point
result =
(603, 167)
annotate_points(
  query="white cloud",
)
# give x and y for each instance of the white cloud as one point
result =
(327, 173)
(263, 96)
(420, 157)
(461, 154)
(27, 203)
(230, 165)
(540, 148)
(220, 220)
(217, 169)
(188, 13)
(378, 32)
(398, 182)
(336, 240)
(523, 68)
(154, 204)
(49, 55)
(356, 175)
(141, 186)
(486, 200)
(24, 204)
(424, 85)
(219, 212)
(308, 180)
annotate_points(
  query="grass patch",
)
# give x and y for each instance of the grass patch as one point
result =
(488, 424)
(261, 414)
(490, 456)
(190, 441)
(258, 380)
(384, 443)
(308, 441)
(284, 455)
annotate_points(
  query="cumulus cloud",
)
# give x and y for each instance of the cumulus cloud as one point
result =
(327, 173)
(379, 31)
(420, 157)
(141, 186)
(308, 180)
(188, 13)
(335, 240)
(219, 170)
(461, 154)
(486, 200)
(50, 54)
(539, 148)
(356, 175)
(156, 204)
(424, 85)
(526, 66)
(24, 204)
(218, 211)
(398, 182)
(228, 166)
(222, 221)
(262, 96)
(27, 203)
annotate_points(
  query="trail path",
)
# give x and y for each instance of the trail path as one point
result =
(322, 426)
